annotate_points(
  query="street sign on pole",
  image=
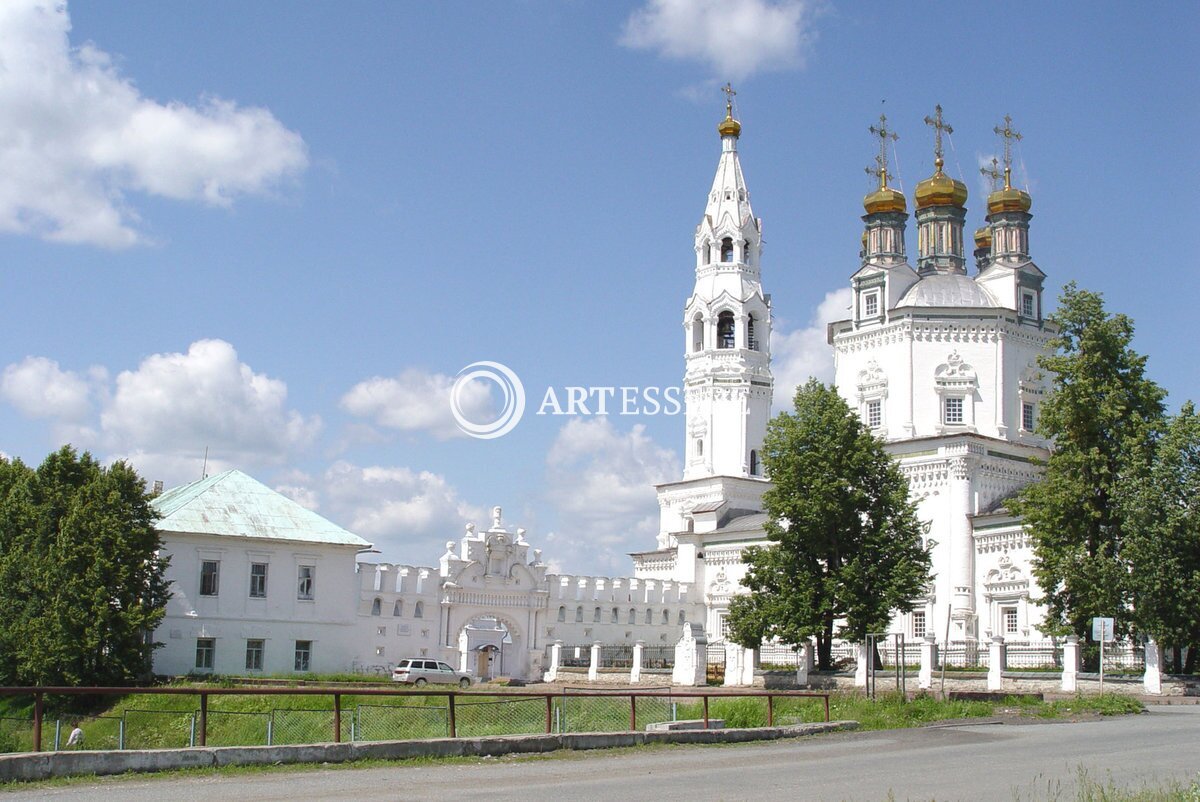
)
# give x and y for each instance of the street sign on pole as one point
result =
(1102, 630)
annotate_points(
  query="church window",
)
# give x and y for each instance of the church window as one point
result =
(377, 606)
(254, 654)
(596, 616)
(579, 614)
(666, 616)
(874, 414)
(918, 623)
(698, 333)
(746, 251)
(398, 608)
(210, 576)
(699, 447)
(727, 250)
(1027, 419)
(303, 655)
(706, 252)
(871, 304)
(562, 613)
(1028, 305)
(632, 616)
(682, 617)
(419, 610)
(725, 336)
(1009, 617)
(258, 580)
(205, 649)
(616, 616)
(953, 411)
(649, 616)
(751, 338)
(753, 462)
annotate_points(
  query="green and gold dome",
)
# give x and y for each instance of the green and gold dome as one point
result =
(940, 189)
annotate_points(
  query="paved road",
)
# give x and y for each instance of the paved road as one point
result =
(977, 762)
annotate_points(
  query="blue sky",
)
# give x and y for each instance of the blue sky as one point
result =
(278, 230)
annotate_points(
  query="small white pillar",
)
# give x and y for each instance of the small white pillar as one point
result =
(594, 666)
(1152, 680)
(555, 661)
(928, 661)
(739, 666)
(635, 670)
(804, 663)
(860, 669)
(691, 658)
(996, 659)
(1071, 664)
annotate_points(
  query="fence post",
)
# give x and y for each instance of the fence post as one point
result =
(706, 711)
(453, 722)
(996, 660)
(555, 660)
(1152, 679)
(635, 670)
(691, 658)
(594, 663)
(860, 668)
(203, 719)
(770, 710)
(121, 732)
(632, 713)
(337, 718)
(57, 733)
(549, 714)
(735, 658)
(804, 663)
(928, 660)
(1070, 670)
(37, 722)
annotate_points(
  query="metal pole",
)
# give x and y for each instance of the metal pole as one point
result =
(453, 723)
(337, 718)
(827, 707)
(57, 733)
(632, 713)
(1101, 659)
(203, 719)
(549, 714)
(770, 710)
(706, 712)
(946, 651)
(121, 733)
(37, 722)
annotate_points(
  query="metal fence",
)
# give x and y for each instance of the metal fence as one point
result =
(575, 656)
(658, 658)
(616, 657)
(779, 655)
(1033, 655)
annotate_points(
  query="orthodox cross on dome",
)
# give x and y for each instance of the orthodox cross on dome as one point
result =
(992, 173)
(939, 125)
(880, 168)
(729, 94)
(1009, 135)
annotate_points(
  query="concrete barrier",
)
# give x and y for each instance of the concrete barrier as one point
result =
(45, 765)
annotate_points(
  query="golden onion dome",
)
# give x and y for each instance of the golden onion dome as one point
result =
(983, 237)
(941, 190)
(1008, 199)
(729, 126)
(885, 199)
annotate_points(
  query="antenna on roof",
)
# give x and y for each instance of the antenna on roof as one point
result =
(204, 469)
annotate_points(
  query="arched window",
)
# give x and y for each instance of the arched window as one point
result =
(698, 332)
(562, 613)
(596, 616)
(725, 337)
(649, 616)
(666, 619)
(682, 617)
(579, 614)
(376, 606)
(753, 462)
(419, 611)
(632, 616)
(699, 446)
(746, 252)
(398, 608)
(751, 339)
(727, 250)
(616, 616)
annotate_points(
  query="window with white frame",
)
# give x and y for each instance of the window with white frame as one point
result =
(952, 410)
(303, 655)
(918, 623)
(258, 580)
(210, 577)
(871, 304)
(1027, 416)
(1008, 619)
(306, 582)
(254, 654)
(1028, 304)
(205, 652)
(874, 413)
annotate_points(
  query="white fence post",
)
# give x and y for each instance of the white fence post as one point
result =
(804, 663)
(691, 658)
(635, 670)
(1070, 674)
(1152, 680)
(594, 666)
(555, 661)
(996, 659)
(860, 669)
(928, 660)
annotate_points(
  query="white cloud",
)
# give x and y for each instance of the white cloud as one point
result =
(798, 355)
(601, 483)
(163, 415)
(39, 388)
(418, 401)
(76, 136)
(734, 38)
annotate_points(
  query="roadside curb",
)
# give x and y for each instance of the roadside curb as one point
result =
(45, 765)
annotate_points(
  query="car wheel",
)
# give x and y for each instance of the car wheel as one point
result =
(464, 683)
(420, 683)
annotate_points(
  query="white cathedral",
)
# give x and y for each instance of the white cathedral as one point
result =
(941, 365)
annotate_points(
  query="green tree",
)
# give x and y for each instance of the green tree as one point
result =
(1104, 416)
(1161, 504)
(845, 539)
(81, 582)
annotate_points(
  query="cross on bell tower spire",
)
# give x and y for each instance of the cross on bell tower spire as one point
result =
(992, 173)
(938, 125)
(1009, 135)
(881, 162)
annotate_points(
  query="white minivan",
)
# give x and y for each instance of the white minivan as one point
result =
(419, 671)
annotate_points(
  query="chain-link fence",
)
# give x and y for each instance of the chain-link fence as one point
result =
(239, 728)
(292, 726)
(159, 729)
(401, 722)
(499, 717)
